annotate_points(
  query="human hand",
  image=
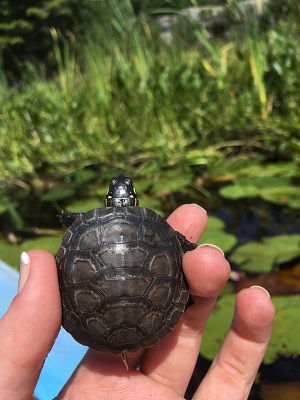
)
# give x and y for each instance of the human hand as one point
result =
(31, 324)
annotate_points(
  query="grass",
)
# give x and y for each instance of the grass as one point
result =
(123, 98)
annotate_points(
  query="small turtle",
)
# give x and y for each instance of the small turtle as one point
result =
(120, 274)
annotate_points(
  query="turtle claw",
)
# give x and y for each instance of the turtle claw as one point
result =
(185, 244)
(125, 360)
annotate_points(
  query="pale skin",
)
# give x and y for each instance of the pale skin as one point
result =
(31, 324)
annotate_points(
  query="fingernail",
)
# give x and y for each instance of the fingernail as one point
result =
(261, 288)
(194, 204)
(24, 270)
(212, 246)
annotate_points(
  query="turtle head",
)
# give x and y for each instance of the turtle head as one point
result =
(121, 193)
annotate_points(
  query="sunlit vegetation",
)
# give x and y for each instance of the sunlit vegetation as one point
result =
(199, 118)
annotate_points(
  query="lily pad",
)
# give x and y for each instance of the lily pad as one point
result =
(285, 336)
(249, 187)
(239, 191)
(217, 326)
(263, 256)
(169, 183)
(271, 182)
(253, 167)
(288, 195)
(279, 169)
(286, 328)
(215, 234)
(10, 253)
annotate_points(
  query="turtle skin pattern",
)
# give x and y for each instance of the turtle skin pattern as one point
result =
(121, 279)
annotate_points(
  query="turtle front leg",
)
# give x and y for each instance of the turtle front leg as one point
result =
(185, 244)
(67, 219)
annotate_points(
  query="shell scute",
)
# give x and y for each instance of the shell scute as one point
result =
(159, 291)
(152, 320)
(129, 337)
(164, 265)
(86, 300)
(120, 282)
(80, 267)
(113, 310)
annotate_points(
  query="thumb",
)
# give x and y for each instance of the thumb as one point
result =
(30, 326)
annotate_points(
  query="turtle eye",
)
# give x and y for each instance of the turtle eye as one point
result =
(128, 181)
(113, 181)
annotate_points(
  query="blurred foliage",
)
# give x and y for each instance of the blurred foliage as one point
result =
(122, 99)
(266, 255)
(25, 28)
(155, 6)
(273, 182)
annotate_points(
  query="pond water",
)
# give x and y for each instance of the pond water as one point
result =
(253, 219)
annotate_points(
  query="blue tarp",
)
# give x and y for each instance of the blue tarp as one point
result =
(63, 358)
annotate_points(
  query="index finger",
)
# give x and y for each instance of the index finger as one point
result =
(190, 220)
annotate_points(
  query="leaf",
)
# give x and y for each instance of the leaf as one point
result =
(48, 243)
(271, 182)
(286, 328)
(252, 187)
(15, 216)
(4, 204)
(10, 253)
(168, 183)
(196, 157)
(83, 176)
(288, 195)
(141, 185)
(152, 203)
(239, 191)
(85, 205)
(217, 326)
(280, 169)
(215, 234)
(58, 193)
(263, 256)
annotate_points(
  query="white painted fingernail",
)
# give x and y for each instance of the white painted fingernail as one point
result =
(24, 270)
(194, 204)
(212, 246)
(261, 288)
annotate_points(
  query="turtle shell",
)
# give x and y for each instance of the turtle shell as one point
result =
(121, 279)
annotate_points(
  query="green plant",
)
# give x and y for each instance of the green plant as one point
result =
(120, 97)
